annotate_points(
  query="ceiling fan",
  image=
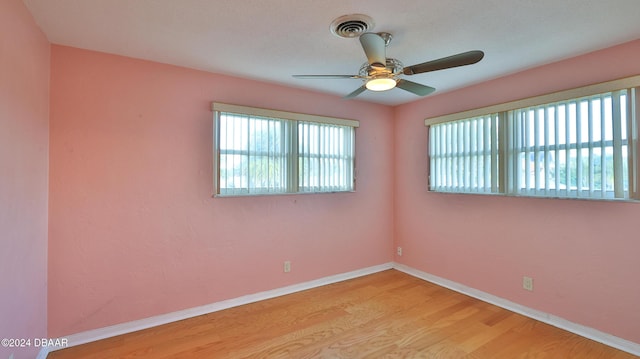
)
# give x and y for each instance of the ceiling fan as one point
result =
(381, 73)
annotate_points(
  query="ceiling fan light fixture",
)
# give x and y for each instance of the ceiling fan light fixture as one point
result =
(381, 84)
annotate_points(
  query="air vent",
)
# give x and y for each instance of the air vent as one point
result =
(349, 26)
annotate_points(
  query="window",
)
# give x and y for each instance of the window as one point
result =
(252, 154)
(325, 157)
(575, 148)
(259, 151)
(580, 147)
(464, 155)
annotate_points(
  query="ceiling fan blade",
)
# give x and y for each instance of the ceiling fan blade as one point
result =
(356, 92)
(374, 47)
(415, 88)
(326, 76)
(462, 59)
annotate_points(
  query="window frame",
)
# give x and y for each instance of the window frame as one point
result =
(292, 122)
(505, 109)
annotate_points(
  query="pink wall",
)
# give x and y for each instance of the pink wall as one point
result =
(134, 231)
(583, 255)
(24, 140)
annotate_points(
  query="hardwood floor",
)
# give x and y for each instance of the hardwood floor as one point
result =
(385, 315)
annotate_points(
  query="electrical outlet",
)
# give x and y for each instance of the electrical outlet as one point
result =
(287, 266)
(399, 251)
(527, 283)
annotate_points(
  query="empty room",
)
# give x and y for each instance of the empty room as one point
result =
(319, 179)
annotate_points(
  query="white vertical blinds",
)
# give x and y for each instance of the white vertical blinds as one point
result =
(326, 157)
(582, 147)
(255, 154)
(464, 155)
(575, 148)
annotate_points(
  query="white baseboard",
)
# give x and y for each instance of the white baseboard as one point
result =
(587, 332)
(129, 327)
(44, 351)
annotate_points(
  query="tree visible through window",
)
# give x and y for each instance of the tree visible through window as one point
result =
(252, 154)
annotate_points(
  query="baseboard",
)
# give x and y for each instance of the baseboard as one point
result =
(44, 351)
(129, 327)
(587, 332)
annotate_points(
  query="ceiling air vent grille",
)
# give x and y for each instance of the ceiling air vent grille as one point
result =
(349, 26)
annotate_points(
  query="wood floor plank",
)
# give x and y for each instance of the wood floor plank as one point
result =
(385, 315)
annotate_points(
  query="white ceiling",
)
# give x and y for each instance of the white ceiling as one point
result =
(270, 40)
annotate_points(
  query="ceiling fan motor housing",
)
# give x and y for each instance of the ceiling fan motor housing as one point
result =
(393, 68)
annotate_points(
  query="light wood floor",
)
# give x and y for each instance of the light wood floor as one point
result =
(384, 315)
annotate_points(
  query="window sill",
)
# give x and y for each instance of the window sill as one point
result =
(237, 195)
(616, 200)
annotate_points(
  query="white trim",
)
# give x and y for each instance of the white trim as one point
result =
(587, 332)
(255, 111)
(129, 327)
(628, 82)
(44, 352)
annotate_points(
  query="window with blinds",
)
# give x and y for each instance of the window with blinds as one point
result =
(258, 151)
(325, 157)
(464, 155)
(577, 147)
(253, 154)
